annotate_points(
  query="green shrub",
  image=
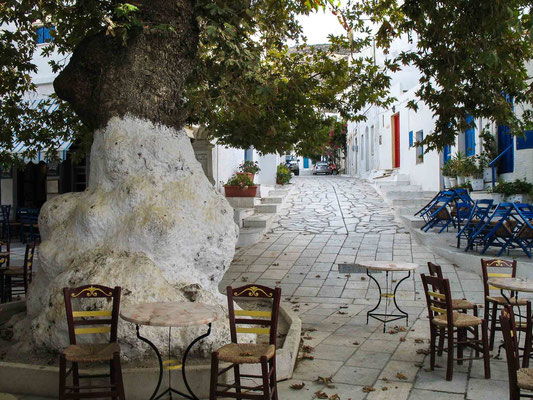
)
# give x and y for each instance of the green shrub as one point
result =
(517, 187)
(283, 174)
(240, 180)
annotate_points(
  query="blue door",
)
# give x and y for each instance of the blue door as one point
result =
(505, 139)
(306, 162)
(470, 138)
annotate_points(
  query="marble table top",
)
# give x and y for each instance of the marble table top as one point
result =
(171, 314)
(516, 284)
(389, 265)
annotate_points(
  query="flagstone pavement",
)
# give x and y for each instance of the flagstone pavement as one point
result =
(332, 220)
(327, 221)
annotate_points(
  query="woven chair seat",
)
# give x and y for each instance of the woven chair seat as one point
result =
(245, 353)
(525, 378)
(91, 352)
(14, 271)
(460, 320)
(462, 304)
(501, 300)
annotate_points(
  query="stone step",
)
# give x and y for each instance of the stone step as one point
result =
(405, 188)
(239, 214)
(243, 202)
(266, 208)
(412, 203)
(278, 192)
(257, 221)
(401, 195)
(412, 222)
(272, 200)
(250, 236)
(383, 183)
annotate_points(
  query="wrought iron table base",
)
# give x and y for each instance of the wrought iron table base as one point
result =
(386, 317)
(170, 389)
(502, 345)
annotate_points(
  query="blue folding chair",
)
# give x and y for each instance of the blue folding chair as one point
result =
(497, 229)
(477, 217)
(429, 206)
(439, 215)
(524, 230)
(462, 194)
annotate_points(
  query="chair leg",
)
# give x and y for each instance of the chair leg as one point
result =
(442, 336)
(62, 376)
(118, 377)
(461, 335)
(486, 354)
(449, 367)
(237, 373)
(274, 380)
(214, 376)
(76, 376)
(112, 379)
(527, 343)
(493, 325)
(266, 380)
(433, 334)
(476, 332)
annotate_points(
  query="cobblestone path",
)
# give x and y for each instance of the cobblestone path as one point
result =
(327, 221)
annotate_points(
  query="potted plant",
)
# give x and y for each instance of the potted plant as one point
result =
(283, 175)
(474, 175)
(249, 168)
(447, 173)
(476, 179)
(240, 186)
(519, 191)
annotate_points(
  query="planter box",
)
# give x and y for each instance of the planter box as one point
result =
(518, 198)
(487, 174)
(237, 191)
(461, 180)
(477, 184)
(447, 182)
(453, 182)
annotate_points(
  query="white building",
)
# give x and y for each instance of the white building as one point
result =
(386, 139)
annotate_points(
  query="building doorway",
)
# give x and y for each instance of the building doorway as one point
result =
(31, 185)
(395, 140)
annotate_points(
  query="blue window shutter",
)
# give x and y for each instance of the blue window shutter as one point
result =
(525, 142)
(46, 34)
(470, 138)
(411, 139)
(40, 35)
(422, 138)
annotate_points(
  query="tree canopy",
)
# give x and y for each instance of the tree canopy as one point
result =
(249, 87)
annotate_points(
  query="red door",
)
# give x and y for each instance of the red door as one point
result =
(396, 152)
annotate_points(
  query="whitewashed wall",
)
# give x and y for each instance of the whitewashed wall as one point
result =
(226, 161)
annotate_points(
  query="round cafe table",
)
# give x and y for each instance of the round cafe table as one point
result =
(170, 315)
(389, 267)
(515, 285)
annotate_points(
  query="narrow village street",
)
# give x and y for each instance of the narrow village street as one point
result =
(332, 220)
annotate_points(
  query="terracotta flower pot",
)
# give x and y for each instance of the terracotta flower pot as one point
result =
(250, 175)
(237, 191)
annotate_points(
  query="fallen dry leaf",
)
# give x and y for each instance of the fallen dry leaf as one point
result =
(401, 376)
(363, 278)
(419, 340)
(306, 356)
(368, 389)
(297, 386)
(356, 343)
(325, 380)
(321, 395)
(384, 388)
(334, 397)
(423, 351)
(402, 339)
(308, 349)
(342, 312)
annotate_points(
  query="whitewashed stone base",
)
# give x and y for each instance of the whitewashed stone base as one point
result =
(149, 221)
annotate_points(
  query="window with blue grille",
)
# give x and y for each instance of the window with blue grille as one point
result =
(44, 34)
(410, 139)
(447, 153)
(419, 148)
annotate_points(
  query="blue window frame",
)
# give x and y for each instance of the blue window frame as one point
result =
(43, 34)
(411, 139)
(525, 142)
(470, 138)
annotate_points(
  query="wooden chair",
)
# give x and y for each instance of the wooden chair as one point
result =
(519, 378)
(102, 322)
(454, 326)
(245, 353)
(17, 278)
(5, 254)
(505, 268)
(461, 305)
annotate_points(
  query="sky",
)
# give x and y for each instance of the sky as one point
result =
(318, 25)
